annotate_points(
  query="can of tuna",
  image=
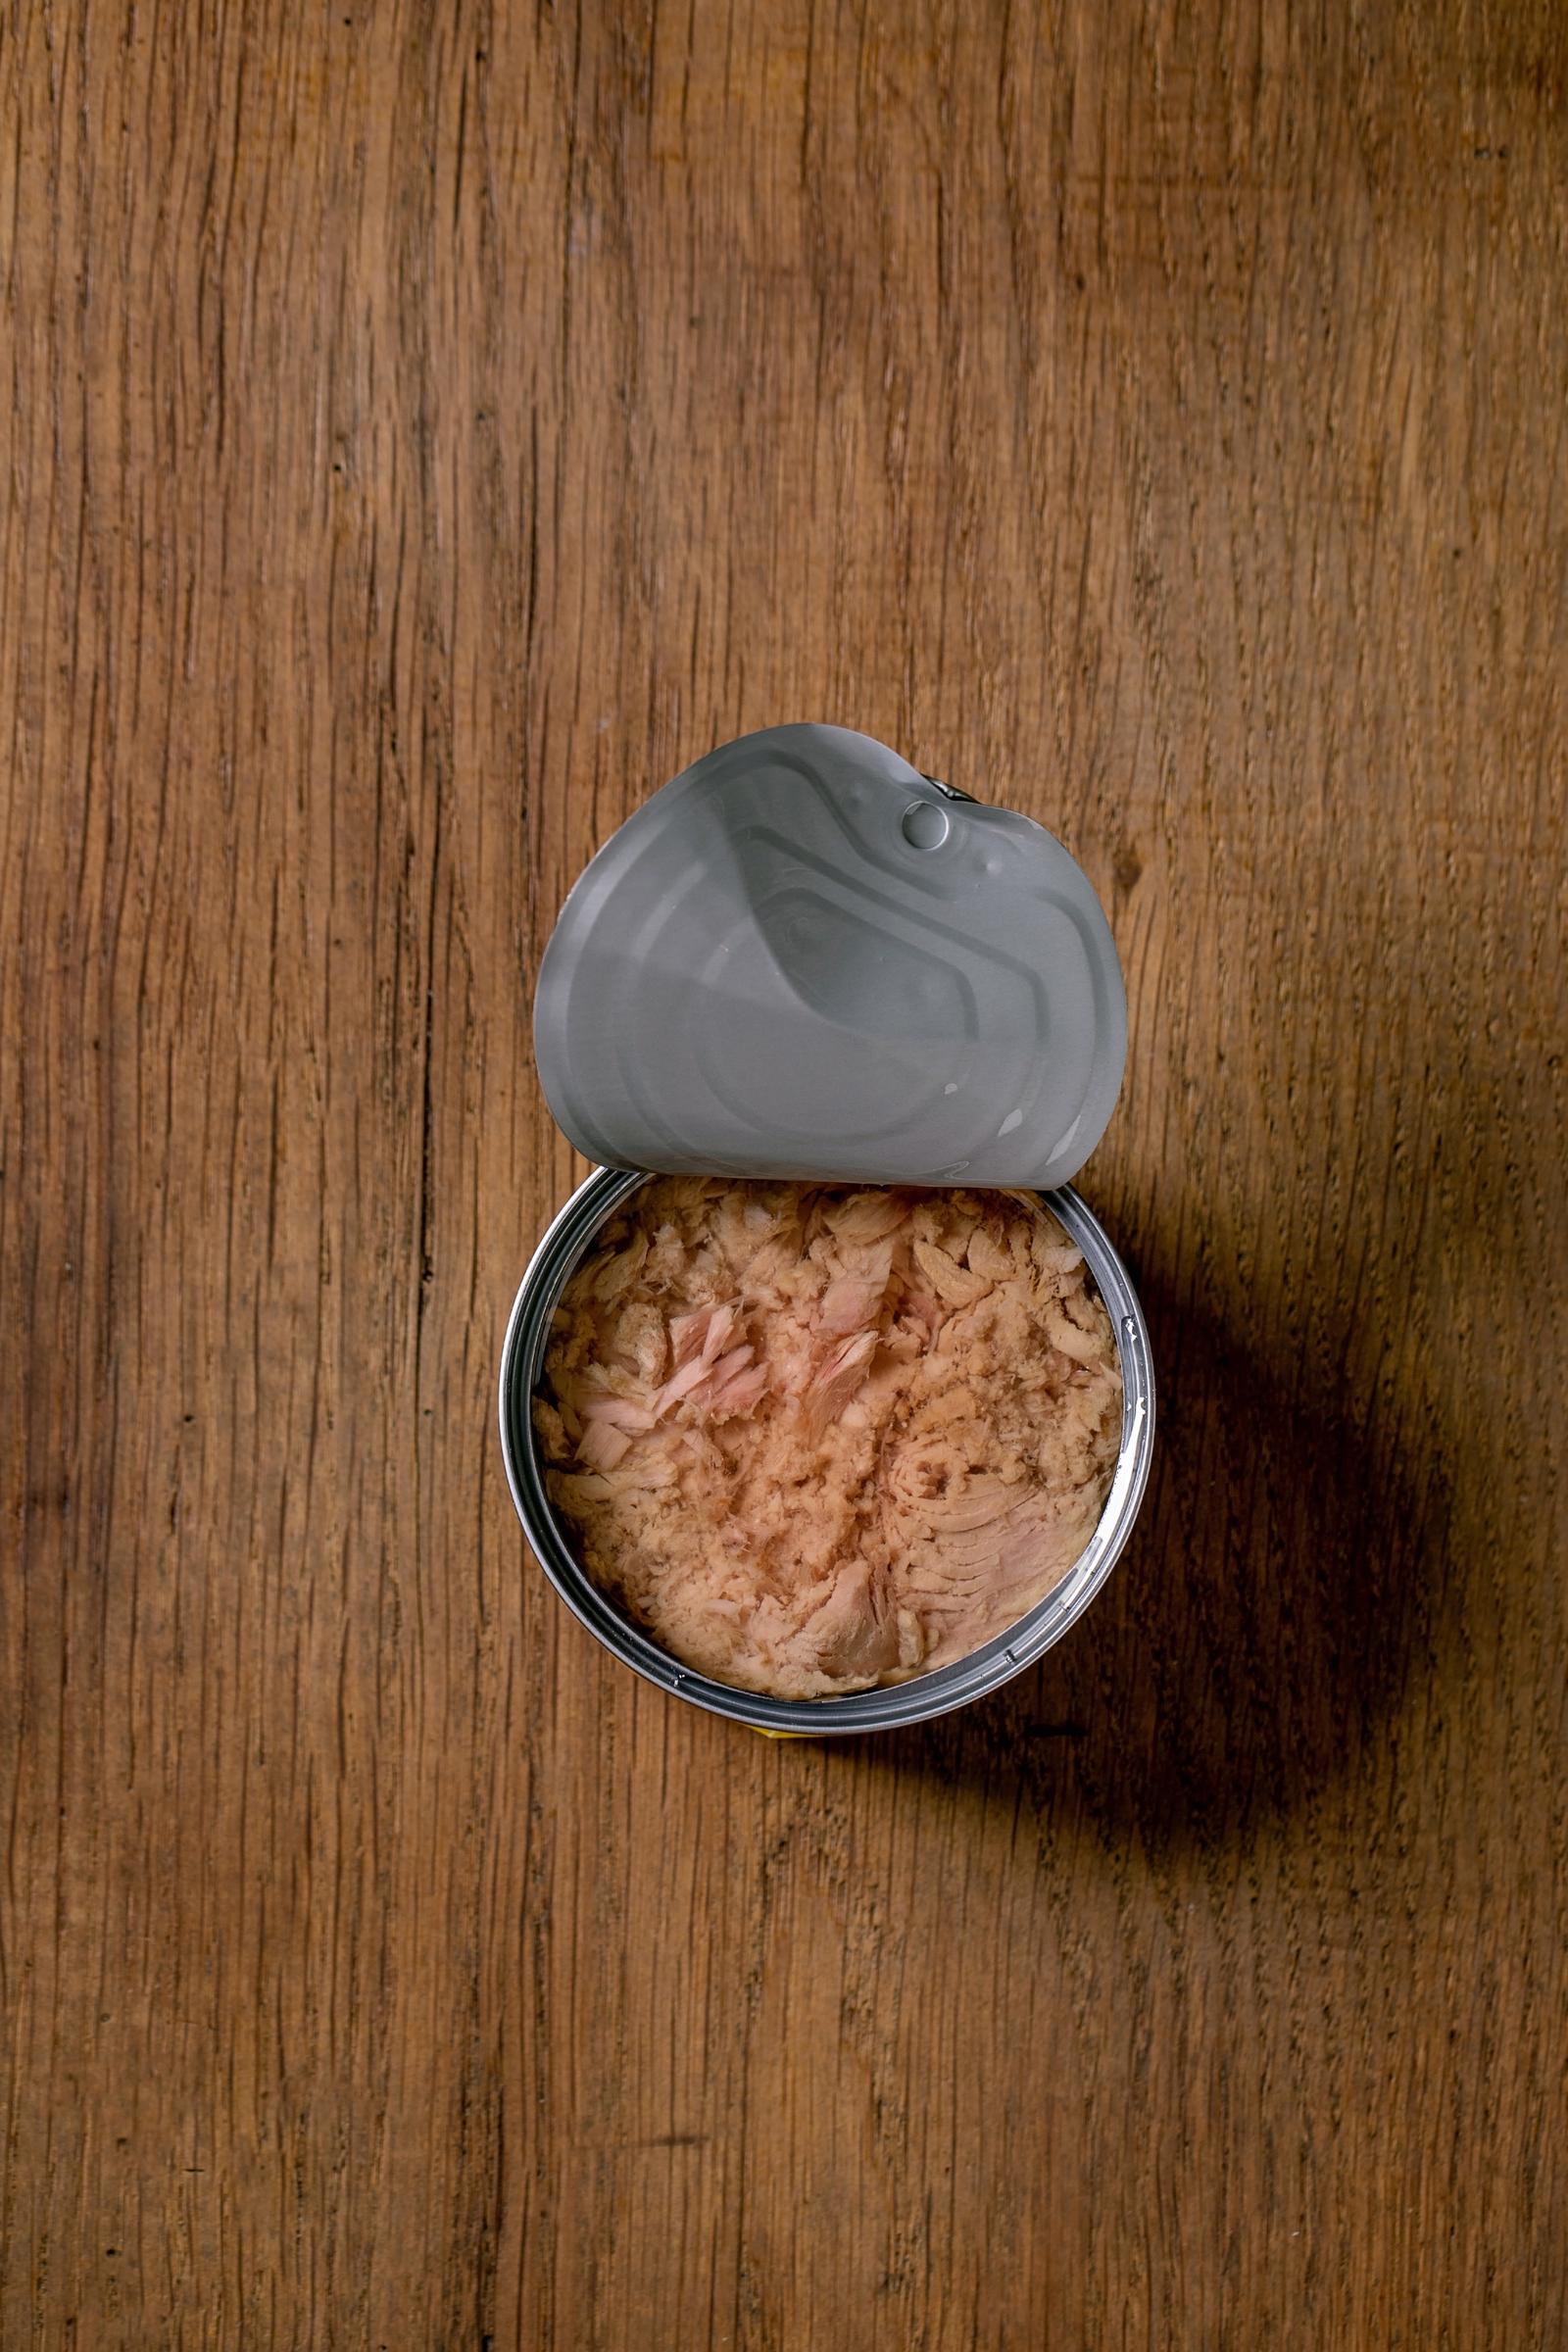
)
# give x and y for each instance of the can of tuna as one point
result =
(562, 1248)
(803, 960)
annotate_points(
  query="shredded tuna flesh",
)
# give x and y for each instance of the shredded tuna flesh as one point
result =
(816, 1439)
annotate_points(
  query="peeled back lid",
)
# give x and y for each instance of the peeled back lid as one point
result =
(802, 959)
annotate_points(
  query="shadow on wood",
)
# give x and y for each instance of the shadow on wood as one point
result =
(1267, 1632)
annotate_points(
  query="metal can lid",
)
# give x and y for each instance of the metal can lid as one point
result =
(802, 959)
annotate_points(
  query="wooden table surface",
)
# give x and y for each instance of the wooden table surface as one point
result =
(426, 430)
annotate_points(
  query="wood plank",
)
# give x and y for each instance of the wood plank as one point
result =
(427, 430)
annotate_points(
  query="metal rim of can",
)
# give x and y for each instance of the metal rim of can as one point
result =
(887, 1708)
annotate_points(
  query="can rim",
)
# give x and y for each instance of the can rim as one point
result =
(887, 1708)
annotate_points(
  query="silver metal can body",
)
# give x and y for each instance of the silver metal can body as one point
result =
(936, 1693)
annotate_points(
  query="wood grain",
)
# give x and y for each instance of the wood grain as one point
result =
(428, 430)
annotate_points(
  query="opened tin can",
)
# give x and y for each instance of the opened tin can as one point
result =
(804, 960)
